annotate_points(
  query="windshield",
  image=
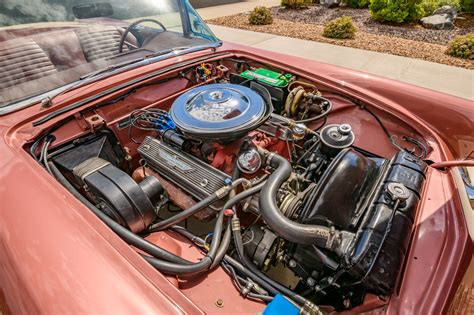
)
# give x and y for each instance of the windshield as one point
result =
(48, 44)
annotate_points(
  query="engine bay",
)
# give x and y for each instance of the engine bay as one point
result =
(293, 196)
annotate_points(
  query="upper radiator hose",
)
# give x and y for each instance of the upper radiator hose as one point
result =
(321, 236)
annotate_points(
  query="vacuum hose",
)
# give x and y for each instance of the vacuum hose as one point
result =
(321, 236)
(160, 258)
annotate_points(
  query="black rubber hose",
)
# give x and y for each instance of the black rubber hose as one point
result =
(243, 195)
(231, 261)
(246, 261)
(247, 272)
(292, 231)
(252, 271)
(171, 264)
(227, 235)
(183, 215)
(324, 114)
(41, 156)
(216, 237)
(225, 243)
(44, 154)
(204, 264)
(242, 286)
(216, 245)
(228, 205)
(238, 239)
(124, 233)
(177, 269)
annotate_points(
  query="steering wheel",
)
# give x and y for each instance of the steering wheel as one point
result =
(132, 26)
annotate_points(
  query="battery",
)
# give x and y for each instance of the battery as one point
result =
(268, 77)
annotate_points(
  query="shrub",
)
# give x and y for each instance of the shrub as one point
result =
(398, 11)
(430, 5)
(260, 16)
(357, 4)
(467, 6)
(340, 28)
(462, 46)
(295, 4)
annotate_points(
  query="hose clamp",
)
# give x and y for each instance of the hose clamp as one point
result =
(235, 224)
(223, 191)
(310, 309)
(269, 158)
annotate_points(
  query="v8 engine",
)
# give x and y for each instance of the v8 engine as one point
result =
(296, 207)
(337, 216)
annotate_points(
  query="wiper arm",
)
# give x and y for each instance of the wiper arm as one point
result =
(109, 69)
(132, 61)
(124, 85)
(85, 79)
(148, 59)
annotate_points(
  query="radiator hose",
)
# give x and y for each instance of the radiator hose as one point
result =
(295, 232)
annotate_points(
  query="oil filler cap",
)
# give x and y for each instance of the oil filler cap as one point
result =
(336, 137)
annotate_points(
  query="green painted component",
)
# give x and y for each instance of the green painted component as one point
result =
(267, 76)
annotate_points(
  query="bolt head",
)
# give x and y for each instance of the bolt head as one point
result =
(344, 129)
(220, 303)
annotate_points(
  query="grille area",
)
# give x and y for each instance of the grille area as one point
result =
(191, 174)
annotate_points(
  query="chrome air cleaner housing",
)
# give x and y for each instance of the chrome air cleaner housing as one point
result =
(219, 111)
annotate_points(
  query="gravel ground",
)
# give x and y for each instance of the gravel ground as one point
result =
(363, 40)
(320, 15)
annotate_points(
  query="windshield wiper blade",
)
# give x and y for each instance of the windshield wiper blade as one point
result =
(109, 69)
(130, 62)
(126, 65)
(122, 86)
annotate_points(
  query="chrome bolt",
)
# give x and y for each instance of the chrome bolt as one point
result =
(344, 129)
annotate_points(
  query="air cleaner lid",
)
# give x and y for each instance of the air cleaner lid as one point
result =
(218, 111)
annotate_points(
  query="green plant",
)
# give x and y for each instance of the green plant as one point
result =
(462, 46)
(467, 6)
(357, 4)
(260, 16)
(398, 11)
(429, 6)
(340, 28)
(295, 4)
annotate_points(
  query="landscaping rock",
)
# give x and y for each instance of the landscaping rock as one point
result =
(428, 44)
(330, 3)
(438, 21)
(446, 9)
(442, 18)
